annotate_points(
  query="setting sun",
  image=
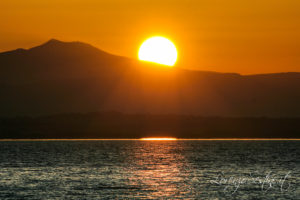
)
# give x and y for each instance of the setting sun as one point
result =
(158, 50)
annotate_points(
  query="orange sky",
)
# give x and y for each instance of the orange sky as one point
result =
(257, 36)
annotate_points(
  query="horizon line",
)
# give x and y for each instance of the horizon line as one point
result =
(140, 139)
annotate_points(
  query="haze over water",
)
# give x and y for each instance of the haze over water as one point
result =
(134, 169)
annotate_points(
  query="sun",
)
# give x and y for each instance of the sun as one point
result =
(158, 50)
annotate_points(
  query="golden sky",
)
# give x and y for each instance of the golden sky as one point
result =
(257, 36)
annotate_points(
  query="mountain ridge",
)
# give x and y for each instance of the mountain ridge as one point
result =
(55, 43)
(64, 77)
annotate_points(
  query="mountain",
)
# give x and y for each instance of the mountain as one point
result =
(74, 77)
(56, 60)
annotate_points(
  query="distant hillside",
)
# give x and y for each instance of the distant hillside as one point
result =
(67, 77)
(118, 125)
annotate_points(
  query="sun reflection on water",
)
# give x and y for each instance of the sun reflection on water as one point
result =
(159, 138)
(158, 169)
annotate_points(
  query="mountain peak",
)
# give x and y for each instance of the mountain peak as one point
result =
(54, 44)
(53, 41)
(50, 44)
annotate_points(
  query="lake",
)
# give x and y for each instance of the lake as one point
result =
(134, 169)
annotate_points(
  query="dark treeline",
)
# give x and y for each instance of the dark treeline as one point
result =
(117, 125)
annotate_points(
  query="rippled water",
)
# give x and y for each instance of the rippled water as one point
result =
(150, 169)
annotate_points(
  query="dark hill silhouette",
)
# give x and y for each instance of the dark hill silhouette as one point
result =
(67, 77)
(118, 125)
(56, 60)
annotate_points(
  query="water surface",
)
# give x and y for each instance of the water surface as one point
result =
(133, 169)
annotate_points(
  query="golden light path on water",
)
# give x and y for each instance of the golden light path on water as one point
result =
(158, 168)
(159, 139)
